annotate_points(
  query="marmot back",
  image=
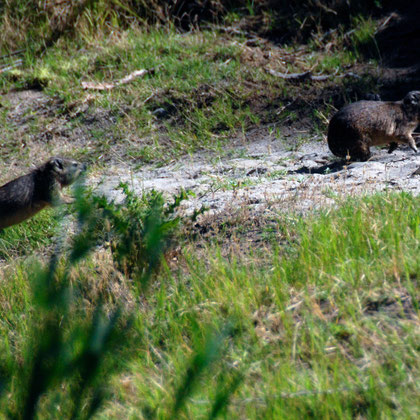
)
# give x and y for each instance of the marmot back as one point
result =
(357, 126)
(27, 195)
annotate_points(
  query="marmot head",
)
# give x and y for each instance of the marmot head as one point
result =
(411, 104)
(65, 171)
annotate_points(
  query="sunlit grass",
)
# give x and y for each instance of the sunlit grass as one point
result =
(30, 236)
(325, 323)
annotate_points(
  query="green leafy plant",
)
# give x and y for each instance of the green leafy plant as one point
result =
(67, 359)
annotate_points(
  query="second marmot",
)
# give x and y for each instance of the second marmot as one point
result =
(357, 126)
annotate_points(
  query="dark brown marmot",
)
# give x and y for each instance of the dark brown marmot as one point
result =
(27, 195)
(357, 126)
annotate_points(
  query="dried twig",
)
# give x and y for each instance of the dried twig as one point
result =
(12, 53)
(108, 86)
(227, 29)
(10, 66)
(291, 76)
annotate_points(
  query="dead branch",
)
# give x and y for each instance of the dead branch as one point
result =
(291, 76)
(12, 53)
(7, 67)
(108, 86)
(307, 75)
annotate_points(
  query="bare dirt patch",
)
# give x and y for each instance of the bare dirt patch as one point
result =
(268, 175)
(38, 126)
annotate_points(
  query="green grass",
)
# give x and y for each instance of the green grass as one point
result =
(195, 82)
(343, 48)
(322, 325)
(28, 237)
(304, 320)
(363, 37)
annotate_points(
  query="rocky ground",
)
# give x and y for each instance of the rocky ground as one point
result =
(268, 173)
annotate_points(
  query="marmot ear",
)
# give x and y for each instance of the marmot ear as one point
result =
(412, 98)
(58, 163)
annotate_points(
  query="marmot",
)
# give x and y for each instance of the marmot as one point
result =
(27, 195)
(357, 126)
